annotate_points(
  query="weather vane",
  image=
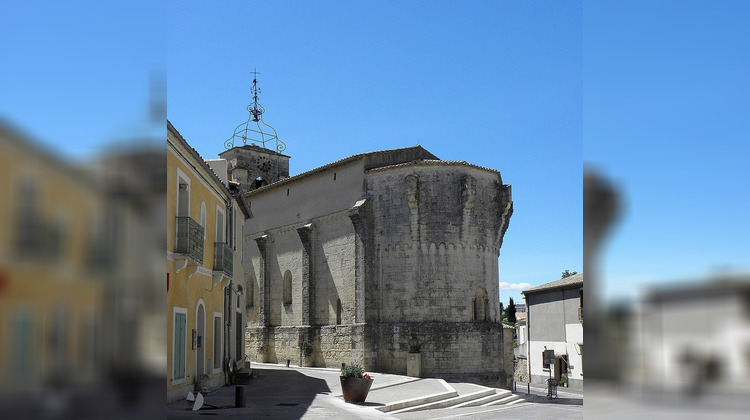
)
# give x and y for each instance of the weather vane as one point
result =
(251, 130)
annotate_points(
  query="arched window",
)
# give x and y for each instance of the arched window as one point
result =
(480, 304)
(259, 182)
(338, 311)
(287, 287)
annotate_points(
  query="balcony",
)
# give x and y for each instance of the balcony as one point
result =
(223, 258)
(580, 315)
(189, 239)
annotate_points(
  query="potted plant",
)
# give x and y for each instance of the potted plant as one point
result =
(564, 380)
(355, 383)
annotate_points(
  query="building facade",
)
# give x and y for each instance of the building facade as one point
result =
(204, 271)
(554, 329)
(350, 261)
(692, 337)
(51, 289)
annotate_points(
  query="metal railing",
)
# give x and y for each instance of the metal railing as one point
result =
(189, 238)
(223, 258)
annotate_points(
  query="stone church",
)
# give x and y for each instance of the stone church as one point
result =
(352, 260)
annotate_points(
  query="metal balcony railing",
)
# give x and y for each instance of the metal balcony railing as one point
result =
(189, 239)
(223, 258)
(580, 315)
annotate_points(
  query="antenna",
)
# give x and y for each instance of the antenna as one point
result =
(251, 129)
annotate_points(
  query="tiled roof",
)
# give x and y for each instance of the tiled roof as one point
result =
(335, 164)
(198, 157)
(563, 283)
(432, 162)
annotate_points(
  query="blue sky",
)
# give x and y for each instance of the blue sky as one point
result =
(76, 75)
(494, 83)
(653, 94)
(665, 117)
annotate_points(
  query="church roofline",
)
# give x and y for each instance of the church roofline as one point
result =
(432, 162)
(256, 148)
(421, 150)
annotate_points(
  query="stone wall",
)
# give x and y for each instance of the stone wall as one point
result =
(333, 269)
(521, 373)
(469, 351)
(438, 229)
(324, 346)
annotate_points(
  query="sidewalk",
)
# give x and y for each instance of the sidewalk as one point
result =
(538, 394)
(312, 393)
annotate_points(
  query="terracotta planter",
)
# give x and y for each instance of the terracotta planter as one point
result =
(355, 389)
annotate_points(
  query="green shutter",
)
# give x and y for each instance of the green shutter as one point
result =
(23, 346)
(217, 343)
(180, 327)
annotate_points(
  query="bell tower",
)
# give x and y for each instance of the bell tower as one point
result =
(254, 164)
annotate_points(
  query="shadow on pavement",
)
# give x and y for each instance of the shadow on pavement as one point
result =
(563, 401)
(273, 393)
(366, 404)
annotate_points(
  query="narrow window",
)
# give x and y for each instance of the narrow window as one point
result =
(334, 176)
(250, 291)
(287, 287)
(203, 218)
(287, 192)
(480, 305)
(338, 311)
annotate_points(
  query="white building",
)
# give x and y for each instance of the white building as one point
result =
(554, 331)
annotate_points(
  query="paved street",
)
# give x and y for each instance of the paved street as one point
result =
(315, 393)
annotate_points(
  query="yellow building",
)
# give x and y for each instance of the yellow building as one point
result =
(51, 289)
(204, 248)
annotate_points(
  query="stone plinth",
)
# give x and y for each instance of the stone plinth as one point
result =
(414, 365)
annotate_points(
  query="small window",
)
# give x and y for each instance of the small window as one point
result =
(334, 176)
(338, 311)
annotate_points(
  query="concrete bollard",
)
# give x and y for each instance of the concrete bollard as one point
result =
(239, 396)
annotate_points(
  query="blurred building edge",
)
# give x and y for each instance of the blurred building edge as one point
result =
(206, 285)
(692, 338)
(51, 291)
(81, 268)
(601, 206)
(132, 237)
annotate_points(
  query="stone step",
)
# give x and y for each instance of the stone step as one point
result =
(499, 394)
(398, 405)
(507, 400)
(446, 402)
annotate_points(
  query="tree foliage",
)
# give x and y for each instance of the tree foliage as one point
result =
(568, 273)
(511, 311)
